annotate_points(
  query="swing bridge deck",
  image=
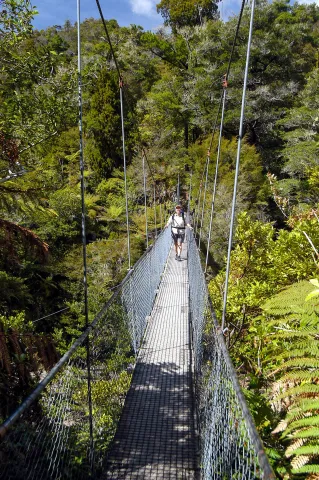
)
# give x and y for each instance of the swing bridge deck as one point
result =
(156, 437)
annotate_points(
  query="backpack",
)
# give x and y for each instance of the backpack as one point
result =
(183, 221)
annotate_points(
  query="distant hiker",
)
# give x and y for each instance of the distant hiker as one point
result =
(178, 223)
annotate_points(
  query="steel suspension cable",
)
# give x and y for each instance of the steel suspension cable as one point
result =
(215, 179)
(155, 215)
(145, 201)
(199, 198)
(109, 39)
(50, 315)
(204, 199)
(84, 235)
(161, 215)
(125, 177)
(206, 167)
(220, 104)
(154, 190)
(189, 192)
(121, 84)
(240, 136)
(235, 39)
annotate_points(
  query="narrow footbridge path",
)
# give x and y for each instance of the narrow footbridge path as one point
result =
(156, 435)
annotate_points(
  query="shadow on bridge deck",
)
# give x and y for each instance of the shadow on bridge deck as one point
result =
(156, 436)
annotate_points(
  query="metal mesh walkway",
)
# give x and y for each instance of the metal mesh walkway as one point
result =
(156, 436)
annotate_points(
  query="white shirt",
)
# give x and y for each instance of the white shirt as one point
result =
(177, 222)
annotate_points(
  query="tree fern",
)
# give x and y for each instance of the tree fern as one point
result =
(296, 376)
(290, 304)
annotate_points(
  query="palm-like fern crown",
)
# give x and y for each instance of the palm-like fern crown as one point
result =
(296, 376)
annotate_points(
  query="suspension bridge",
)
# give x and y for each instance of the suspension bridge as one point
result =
(184, 416)
(181, 412)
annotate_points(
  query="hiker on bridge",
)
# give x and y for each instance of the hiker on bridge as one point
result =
(178, 223)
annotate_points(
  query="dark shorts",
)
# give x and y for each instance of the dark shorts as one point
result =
(178, 237)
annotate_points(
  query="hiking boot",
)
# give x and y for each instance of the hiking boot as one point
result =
(176, 257)
(179, 258)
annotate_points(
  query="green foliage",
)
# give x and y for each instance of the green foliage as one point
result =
(295, 338)
(172, 90)
(177, 13)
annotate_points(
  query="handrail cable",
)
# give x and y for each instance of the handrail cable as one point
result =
(121, 84)
(86, 312)
(259, 448)
(240, 136)
(226, 396)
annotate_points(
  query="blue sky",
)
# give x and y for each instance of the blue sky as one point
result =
(140, 12)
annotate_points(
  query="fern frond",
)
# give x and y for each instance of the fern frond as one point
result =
(288, 299)
(307, 403)
(306, 389)
(282, 425)
(301, 376)
(307, 347)
(304, 422)
(299, 410)
(307, 450)
(307, 433)
(300, 362)
(308, 469)
(300, 461)
(293, 446)
(291, 333)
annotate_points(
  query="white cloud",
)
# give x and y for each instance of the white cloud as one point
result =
(144, 7)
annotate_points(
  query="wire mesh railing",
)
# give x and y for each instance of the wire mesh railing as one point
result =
(51, 435)
(230, 445)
